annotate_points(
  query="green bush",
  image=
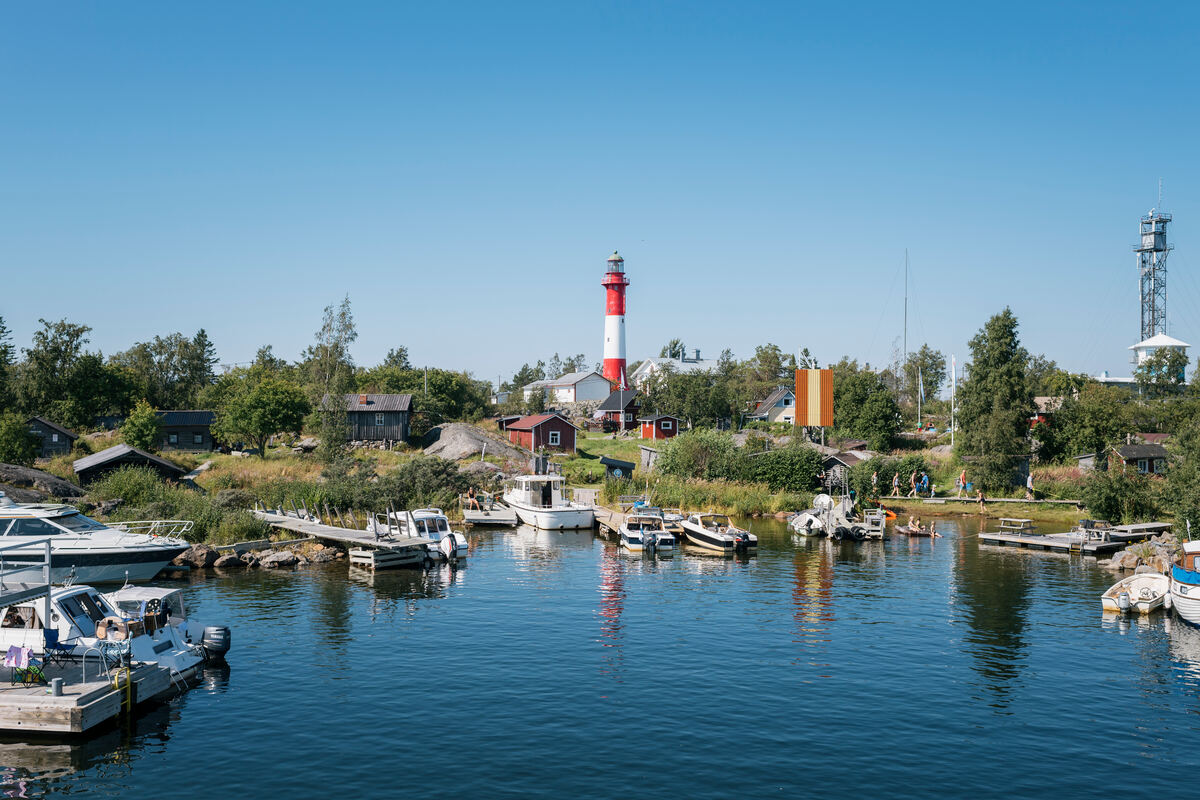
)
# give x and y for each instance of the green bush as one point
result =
(1121, 495)
(700, 453)
(792, 469)
(18, 445)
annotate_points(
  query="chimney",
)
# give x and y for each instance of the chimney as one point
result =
(362, 399)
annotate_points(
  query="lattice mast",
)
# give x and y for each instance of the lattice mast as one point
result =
(1152, 272)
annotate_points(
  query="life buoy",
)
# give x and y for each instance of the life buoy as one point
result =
(119, 632)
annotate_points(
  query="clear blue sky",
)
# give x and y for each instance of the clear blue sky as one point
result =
(463, 170)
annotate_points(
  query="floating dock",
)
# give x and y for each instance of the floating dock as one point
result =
(83, 704)
(384, 551)
(608, 521)
(496, 514)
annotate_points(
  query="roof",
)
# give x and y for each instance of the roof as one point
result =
(1159, 340)
(615, 256)
(531, 422)
(1047, 404)
(570, 379)
(764, 406)
(684, 365)
(1142, 451)
(52, 426)
(375, 402)
(616, 462)
(188, 418)
(118, 452)
(1153, 438)
(657, 417)
(619, 400)
(849, 459)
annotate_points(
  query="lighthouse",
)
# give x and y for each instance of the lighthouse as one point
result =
(614, 284)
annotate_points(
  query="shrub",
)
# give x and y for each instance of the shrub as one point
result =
(18, 444)
(1120, 494)
(141, 428)
(792, 468)
(700, 453)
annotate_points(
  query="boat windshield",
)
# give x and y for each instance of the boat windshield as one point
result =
(30, 526)
(84, 611)
(715, 521)
(79, 523)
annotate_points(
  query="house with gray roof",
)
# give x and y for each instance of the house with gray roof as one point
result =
(376, 417)
(654, 366)
(97, 465)
(574, 387)
(56, 440)
(188, 430)
(778, 406)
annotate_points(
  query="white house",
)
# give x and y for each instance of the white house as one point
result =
(779, 406)
(651, 366)
(1148, 347)
(574, 387)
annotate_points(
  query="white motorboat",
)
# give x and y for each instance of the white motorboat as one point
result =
(86, 550)
(1185, 583)
(833, 518)
(543, 502)
(89, 628)
(426, 523)
(1140, 594)
(645, 531)
(716, 532)
(157, 606)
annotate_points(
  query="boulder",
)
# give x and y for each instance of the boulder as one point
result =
(1142, 569)
(459, 440)
(324, 556)
(229, 561)
(249, 559)
(29, 485)
(281, 559)
(199, 556)
(306, 445)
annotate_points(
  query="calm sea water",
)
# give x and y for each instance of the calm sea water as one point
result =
(554, 666)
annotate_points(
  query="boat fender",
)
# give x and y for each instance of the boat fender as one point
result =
(119, 629)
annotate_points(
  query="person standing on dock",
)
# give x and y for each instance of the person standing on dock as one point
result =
(1029, 486)
(962, 483)
(895, 485)
(875, 484)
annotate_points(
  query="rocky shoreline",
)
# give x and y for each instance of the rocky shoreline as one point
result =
(202, 556)
(1153, 555)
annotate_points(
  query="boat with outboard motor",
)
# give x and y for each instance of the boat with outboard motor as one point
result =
(1185, 582)
(157, 606)
(716, 532)
(543, 502)
(445, 543)
(1141, 594)
(85, 625)
(85, 550)
(835, 519)
(644, 531)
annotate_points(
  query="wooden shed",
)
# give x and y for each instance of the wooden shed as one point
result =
(543, 432)
(56, 440)
(620, 410)
(95, 466)
(186, 430)
(616, 468)
(376, 417)
(659, 426)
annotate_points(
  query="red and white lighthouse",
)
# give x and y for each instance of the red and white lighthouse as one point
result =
(614, 284)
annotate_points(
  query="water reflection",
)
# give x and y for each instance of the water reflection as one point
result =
(612, 607)
(812, 593)
(992, 588)
(398, 590)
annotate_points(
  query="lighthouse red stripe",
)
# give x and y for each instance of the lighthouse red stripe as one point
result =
(616, 303)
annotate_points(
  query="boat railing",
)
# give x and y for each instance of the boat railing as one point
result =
(24, 566)
(172, 528)
(628, 501)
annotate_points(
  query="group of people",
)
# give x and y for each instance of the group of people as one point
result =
(918, 484)
(915, 524)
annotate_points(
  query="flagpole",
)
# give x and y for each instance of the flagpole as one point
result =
(920, 393)
(953, 393)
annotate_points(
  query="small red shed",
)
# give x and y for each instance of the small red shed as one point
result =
(620, 410)
(659, 426)
(543, 432)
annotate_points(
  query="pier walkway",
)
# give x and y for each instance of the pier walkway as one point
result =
(368, 549)
(83, 704)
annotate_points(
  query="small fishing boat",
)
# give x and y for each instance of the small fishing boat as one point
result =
(716, 532)
(809, 522)
(543, 502)
(156, 606)
(1185, 582)
(1141, 594)
(641, 532)
(85, 626)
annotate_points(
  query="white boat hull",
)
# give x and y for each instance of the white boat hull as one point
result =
(555, 519)
(1185, 597)
(1147, 592)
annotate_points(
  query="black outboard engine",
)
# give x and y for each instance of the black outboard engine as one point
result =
(216, 641)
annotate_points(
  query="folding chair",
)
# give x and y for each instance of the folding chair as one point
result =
(55, 652)
(25, 669)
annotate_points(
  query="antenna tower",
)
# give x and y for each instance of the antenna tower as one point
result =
(1152, 271)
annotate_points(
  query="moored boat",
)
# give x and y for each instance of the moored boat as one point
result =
(641, 532)
(1185, 582)
(85, 550)
(716, 532)
(445, 544)
(543, 501)
(1140, 594)
(157, 606)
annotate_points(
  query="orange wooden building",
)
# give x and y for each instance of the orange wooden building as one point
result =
(543, 432)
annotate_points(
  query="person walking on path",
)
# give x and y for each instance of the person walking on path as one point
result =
(875, 484)
(1029, 486)
(912, 482)
(895, 485)
(962, 482)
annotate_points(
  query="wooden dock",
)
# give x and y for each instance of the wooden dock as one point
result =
(366, 548)
(83, 705)
(1058, 542)
(496, 514)
(608, 521)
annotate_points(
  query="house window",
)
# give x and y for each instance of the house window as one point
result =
(1143, 465)
(197, 438)
(54, 437)
(1159, 466)
(666, 424)
(555, 439)
(628, 417)
(787, 401)
(172, 438)
(379, 419)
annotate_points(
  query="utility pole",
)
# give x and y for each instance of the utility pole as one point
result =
(953, 394)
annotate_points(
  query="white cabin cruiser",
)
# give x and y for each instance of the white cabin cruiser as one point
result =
(716, 532)
(641, 532)
(543, 502)
(84, 625)
(426, 523)
(158, 606)
(1185, 582)
(85, 549)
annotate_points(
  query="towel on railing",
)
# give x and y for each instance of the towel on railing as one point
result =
(18, 657)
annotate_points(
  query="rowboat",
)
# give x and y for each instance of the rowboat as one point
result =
(1141, 594)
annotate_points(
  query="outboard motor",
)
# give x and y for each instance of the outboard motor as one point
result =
(216, 641)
